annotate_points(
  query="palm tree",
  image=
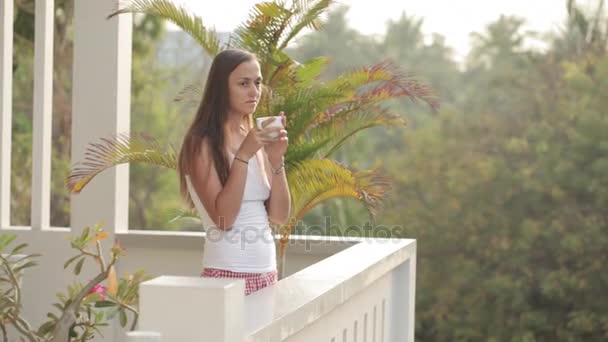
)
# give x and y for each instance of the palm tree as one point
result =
(585, 31)
(322, 115)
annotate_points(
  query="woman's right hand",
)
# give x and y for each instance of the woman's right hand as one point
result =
(256, 139)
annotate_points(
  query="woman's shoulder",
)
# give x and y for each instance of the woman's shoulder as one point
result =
(205, 147)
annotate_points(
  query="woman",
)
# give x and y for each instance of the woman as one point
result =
(234, 174)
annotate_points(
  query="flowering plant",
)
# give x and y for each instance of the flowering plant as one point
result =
(85, 307)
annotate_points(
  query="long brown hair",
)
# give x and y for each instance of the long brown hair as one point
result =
(211, 119)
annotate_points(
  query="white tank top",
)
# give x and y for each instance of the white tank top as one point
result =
(249, 246)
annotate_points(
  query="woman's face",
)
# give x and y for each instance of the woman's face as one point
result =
(244, 86)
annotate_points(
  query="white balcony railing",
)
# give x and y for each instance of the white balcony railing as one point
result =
(364, 293)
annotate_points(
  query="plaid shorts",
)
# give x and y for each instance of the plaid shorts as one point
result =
(253, 281)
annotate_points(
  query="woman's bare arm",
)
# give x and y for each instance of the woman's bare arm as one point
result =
(222, 203)
(279, 203)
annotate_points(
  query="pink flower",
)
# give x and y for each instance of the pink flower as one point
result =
(98, 289)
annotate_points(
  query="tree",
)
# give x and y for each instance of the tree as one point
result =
(510, 213)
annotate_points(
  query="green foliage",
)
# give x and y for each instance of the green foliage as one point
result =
(85, 307)
(505, 188)
(176, 14)
(12, 265)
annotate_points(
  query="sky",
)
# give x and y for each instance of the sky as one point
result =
(453, 19)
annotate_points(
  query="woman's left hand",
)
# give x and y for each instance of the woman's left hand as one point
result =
(276, 149)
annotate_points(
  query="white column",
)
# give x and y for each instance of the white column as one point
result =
(43, 114)
(6, 104)
(101, 108)
(189, 309)
(401, 320)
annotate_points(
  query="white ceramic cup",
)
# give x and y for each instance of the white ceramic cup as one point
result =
(276, 122)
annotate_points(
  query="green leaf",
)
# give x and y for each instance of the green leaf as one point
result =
(78, 267)
(306, 17)
(309, 71)
(191, 95)
(46, 328)
(104, 304)
(116, 150)
(121, 289)
(62, 297)
(18, 248)
(314, 181)
(25, 257)
(306, 149)
(85, 233)
(72, 259)
(99, 316)
(123, 318)
(92, 298)
(19, 268)
(178, 15)
(5, 240)
(178, 214)
(353, 119)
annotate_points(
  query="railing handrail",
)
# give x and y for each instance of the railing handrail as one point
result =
(293, 303)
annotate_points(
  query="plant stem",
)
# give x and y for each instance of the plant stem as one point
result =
(24, 328)
(14, 281)
(135, 314)
(19, 323)
(68, 318)
(4, 333)
(102, 262)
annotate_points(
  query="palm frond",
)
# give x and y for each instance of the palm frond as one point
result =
(179, 214)
(191, 95)
(314, 181)
(290, 76)
(350, 121)
(302, 107)
(310, 71)
(261, 33)
(380, 82)
(119, 149)
(305, 149)
(178, 15)
(308, 14)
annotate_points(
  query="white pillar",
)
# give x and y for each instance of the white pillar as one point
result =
(6, 108)
(101, 93)
(101, 108)
(43, 114)
(193, 309)
(403, 301)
